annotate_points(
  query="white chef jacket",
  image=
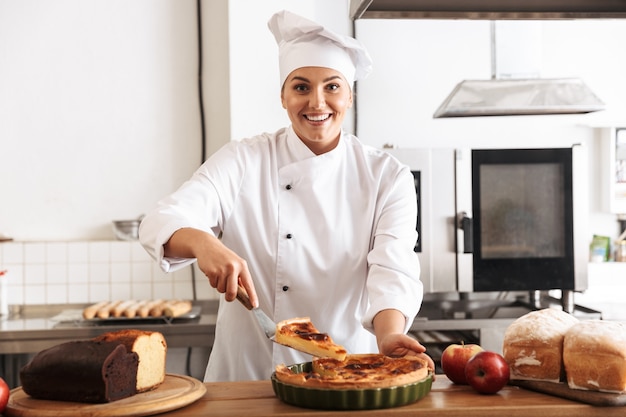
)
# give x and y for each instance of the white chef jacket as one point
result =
(327, 236)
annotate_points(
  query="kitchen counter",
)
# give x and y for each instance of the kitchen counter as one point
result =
(35, 328)
(256, 398)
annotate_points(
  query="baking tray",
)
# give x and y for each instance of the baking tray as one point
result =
(348, 399)
(76, 317)
(560, 389)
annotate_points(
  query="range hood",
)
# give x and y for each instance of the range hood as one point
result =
(515, 87)
(487, 9)
(497, 97)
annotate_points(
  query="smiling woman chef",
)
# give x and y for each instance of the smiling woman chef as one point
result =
(312, 222)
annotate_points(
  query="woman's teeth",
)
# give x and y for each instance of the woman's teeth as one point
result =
(319, 118)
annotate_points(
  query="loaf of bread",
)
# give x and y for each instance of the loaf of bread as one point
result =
(594, 354)
(109, 367)
(533, 345)
(91, 311)
(177, 308)
(151, 349)
(158, 310)
(81, 371)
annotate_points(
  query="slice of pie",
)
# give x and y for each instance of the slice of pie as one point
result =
(300, 333)
(358, 371)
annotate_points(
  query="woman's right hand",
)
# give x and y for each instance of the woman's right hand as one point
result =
(223, 267)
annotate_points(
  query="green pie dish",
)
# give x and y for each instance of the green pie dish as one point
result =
(348, 399)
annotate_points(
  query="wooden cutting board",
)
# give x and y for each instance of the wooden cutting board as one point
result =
(562, 390)
(175, 392)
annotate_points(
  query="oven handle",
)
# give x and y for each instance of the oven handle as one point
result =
(465, 224)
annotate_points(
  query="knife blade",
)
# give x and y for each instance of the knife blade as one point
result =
(267, 324)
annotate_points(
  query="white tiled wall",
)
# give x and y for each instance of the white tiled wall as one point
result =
(91, 271)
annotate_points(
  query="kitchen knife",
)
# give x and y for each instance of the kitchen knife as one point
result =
(267, 324)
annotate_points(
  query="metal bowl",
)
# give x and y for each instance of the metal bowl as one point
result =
(126, 229)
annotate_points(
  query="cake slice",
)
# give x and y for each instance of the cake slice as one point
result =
(151, 349)
(300, 333)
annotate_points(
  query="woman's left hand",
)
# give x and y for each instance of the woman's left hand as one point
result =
(400, 344)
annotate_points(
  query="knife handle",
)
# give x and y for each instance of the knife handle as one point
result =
(243, 298)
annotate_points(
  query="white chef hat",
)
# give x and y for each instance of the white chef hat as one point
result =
(304, 43)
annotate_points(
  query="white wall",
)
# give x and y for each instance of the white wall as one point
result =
(98, 112)
(418, 63)
(254, 82)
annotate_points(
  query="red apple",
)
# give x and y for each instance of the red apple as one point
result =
(454, 358)
(487, 372)
(4, 395)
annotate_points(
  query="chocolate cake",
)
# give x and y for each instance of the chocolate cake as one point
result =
(82, 371)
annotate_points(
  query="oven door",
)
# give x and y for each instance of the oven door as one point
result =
(521, 216)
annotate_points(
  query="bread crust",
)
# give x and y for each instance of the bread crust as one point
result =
(594, 354)
(533, 345)
(358, 371)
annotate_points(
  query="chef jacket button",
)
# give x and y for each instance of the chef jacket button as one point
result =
(288, 186)
(285, 288)
(289, 236)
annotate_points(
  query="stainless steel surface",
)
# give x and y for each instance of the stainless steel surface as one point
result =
(33, 329)
(464, 203)
(437, 255)
(126, 229)
(567, 301)
(463, 319)
(487, 9)
(267, 324)
(580, 197)
(516, 86)
(510, 97)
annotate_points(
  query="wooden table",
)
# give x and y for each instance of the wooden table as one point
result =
(256, 398)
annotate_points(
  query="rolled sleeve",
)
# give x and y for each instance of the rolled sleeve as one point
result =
(183, 209)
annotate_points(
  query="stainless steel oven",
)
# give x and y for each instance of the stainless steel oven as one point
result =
(493, 220)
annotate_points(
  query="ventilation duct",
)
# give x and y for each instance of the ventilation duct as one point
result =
(487, 9)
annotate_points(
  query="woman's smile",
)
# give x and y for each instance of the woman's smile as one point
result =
(317, 118)
(316, 100)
